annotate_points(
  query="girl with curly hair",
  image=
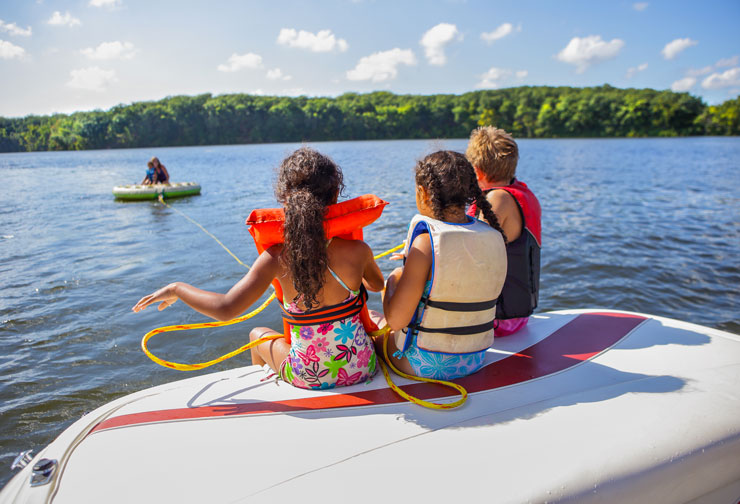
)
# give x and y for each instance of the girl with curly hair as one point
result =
(315, 274)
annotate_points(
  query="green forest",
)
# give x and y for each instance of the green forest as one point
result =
(526, 112)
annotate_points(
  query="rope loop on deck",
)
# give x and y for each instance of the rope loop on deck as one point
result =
(385, 333)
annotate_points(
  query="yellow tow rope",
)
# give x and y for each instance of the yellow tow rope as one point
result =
(186, 327)
(161, 200)
(390, 251)
(385, 331)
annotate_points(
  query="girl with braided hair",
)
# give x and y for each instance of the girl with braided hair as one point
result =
(440, 305)
(317, 276)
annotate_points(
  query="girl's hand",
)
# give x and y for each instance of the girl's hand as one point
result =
(165, 297)
(397, 256)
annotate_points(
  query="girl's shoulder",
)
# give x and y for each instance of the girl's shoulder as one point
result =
(349, 253)
(422, 240)
(354, 246)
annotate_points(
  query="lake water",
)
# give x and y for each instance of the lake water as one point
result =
(649, 225)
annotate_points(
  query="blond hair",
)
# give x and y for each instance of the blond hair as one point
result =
(494, 152)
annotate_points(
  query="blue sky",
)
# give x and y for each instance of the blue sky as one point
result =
(63, 56)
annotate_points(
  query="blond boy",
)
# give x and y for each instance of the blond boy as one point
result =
(494, 154)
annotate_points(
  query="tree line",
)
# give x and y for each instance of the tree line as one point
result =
(526, 112)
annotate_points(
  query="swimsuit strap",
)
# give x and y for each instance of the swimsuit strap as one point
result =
(336, 277)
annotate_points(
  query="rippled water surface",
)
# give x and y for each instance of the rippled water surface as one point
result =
(649, 225)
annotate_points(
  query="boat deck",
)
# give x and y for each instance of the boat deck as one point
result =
(580, 406)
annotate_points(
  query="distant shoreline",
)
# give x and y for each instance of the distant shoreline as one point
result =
(235, 119)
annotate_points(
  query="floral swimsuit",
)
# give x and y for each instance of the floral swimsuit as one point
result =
(330, 354)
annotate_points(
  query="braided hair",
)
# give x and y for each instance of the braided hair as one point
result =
(450, 180)
(307, 183)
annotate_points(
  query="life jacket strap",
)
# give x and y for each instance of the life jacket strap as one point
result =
(457, 331)
(461, 307)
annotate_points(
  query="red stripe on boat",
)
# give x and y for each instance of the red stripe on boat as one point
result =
(577, 341)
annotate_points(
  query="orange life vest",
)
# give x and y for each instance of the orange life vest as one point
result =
(343, 220)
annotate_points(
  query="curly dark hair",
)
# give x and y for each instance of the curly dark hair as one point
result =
(450, 180)
(307, 183)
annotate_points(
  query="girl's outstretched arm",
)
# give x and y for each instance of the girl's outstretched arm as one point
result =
(213, 304)
(406, 285)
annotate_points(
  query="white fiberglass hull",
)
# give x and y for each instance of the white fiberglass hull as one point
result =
(580, 406)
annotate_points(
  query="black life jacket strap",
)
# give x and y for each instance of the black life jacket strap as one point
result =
(457, 331)
(460, 307)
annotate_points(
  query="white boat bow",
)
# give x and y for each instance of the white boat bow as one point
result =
(580, 406)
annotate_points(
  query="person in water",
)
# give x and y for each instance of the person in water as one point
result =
(156, 173)
(314, 273)
(441, 304)
(494, 155)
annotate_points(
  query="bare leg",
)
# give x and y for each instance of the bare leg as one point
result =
(379, 320)
(272, 352)
(377, 317)
(401, 364)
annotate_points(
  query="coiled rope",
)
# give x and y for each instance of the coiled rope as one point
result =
(384, 332)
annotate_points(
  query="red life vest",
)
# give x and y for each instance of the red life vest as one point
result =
(529, 205)
(343, 220)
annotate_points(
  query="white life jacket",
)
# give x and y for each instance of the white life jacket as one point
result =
(468, 273)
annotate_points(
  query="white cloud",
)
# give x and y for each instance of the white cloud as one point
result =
(684, 84)
(323, 41)
(104, 3)
(91, 79)
(632, 71)
(672, 49)
(10, 51)
(640, 6)
(435, 40)
(66, 19)
(494, 77)
(239, 61)
(381, 66)
(586, 51)
(111, 50)
(725, 62)
(695, 72)
(14, 29)
(277, 74)
(499, 33)
(729, 78)
(491, 78)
